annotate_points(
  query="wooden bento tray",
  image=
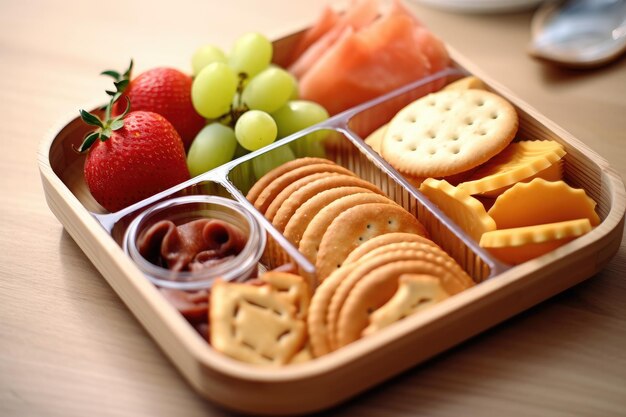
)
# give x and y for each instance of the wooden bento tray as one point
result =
(323, 382)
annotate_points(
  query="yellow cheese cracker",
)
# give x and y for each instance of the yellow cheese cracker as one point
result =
(466, 83)
(518, 162)
(541, 202)
(467, 212)
(521, 244)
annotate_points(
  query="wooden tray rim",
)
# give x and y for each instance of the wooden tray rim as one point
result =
(203, 356)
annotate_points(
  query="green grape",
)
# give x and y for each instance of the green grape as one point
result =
(213, 89)
(255, 129)
(269, 90)
(297, 115)
(295, 92)
(251, 54)
(204, 56)
(213, 146)
(266, 162)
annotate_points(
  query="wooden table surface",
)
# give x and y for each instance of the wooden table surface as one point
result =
(69, 346)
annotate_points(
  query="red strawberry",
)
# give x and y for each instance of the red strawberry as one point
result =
(138, 155)
(166, 91)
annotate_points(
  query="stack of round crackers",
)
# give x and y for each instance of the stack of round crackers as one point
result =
(384, 280)
(325, 211)
(373, 258)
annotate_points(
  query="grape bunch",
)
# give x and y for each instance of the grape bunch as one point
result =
(249, 103)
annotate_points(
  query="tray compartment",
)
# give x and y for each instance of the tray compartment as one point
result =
(333, 378)
(349, 151)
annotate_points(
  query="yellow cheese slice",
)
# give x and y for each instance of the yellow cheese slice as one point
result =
(520, 161)
(466, 83)
(553, 173)
(521, 244)
(540, 202)
(467, 212)
(376, 137)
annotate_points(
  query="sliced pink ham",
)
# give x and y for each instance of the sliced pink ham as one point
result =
(367, 53)
(361, 14)
(363, 65)
(434, 50)
(325, 23)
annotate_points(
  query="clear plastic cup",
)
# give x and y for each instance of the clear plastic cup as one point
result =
(181, 210)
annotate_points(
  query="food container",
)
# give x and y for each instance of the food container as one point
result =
(185, 209)
(502, 292)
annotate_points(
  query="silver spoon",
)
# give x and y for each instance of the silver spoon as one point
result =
(579, 33)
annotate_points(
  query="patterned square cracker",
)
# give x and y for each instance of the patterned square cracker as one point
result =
(254, 323)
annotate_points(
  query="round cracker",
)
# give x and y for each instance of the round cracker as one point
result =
(298, 184)
(356, 271)
(357, 225)
(454, 281)
(373, 291)
(303, 193)
(318, 310)
(315, 231)
(449, 132)
(276, 186)
(383, 240)
(299, 221)
(266, 179)
(442, 257)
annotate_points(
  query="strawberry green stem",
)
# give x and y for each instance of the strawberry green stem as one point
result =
(104, 128)
(120, 81)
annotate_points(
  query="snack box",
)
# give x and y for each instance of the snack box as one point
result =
(326, 381)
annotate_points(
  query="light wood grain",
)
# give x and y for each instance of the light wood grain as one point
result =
(69, 346)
